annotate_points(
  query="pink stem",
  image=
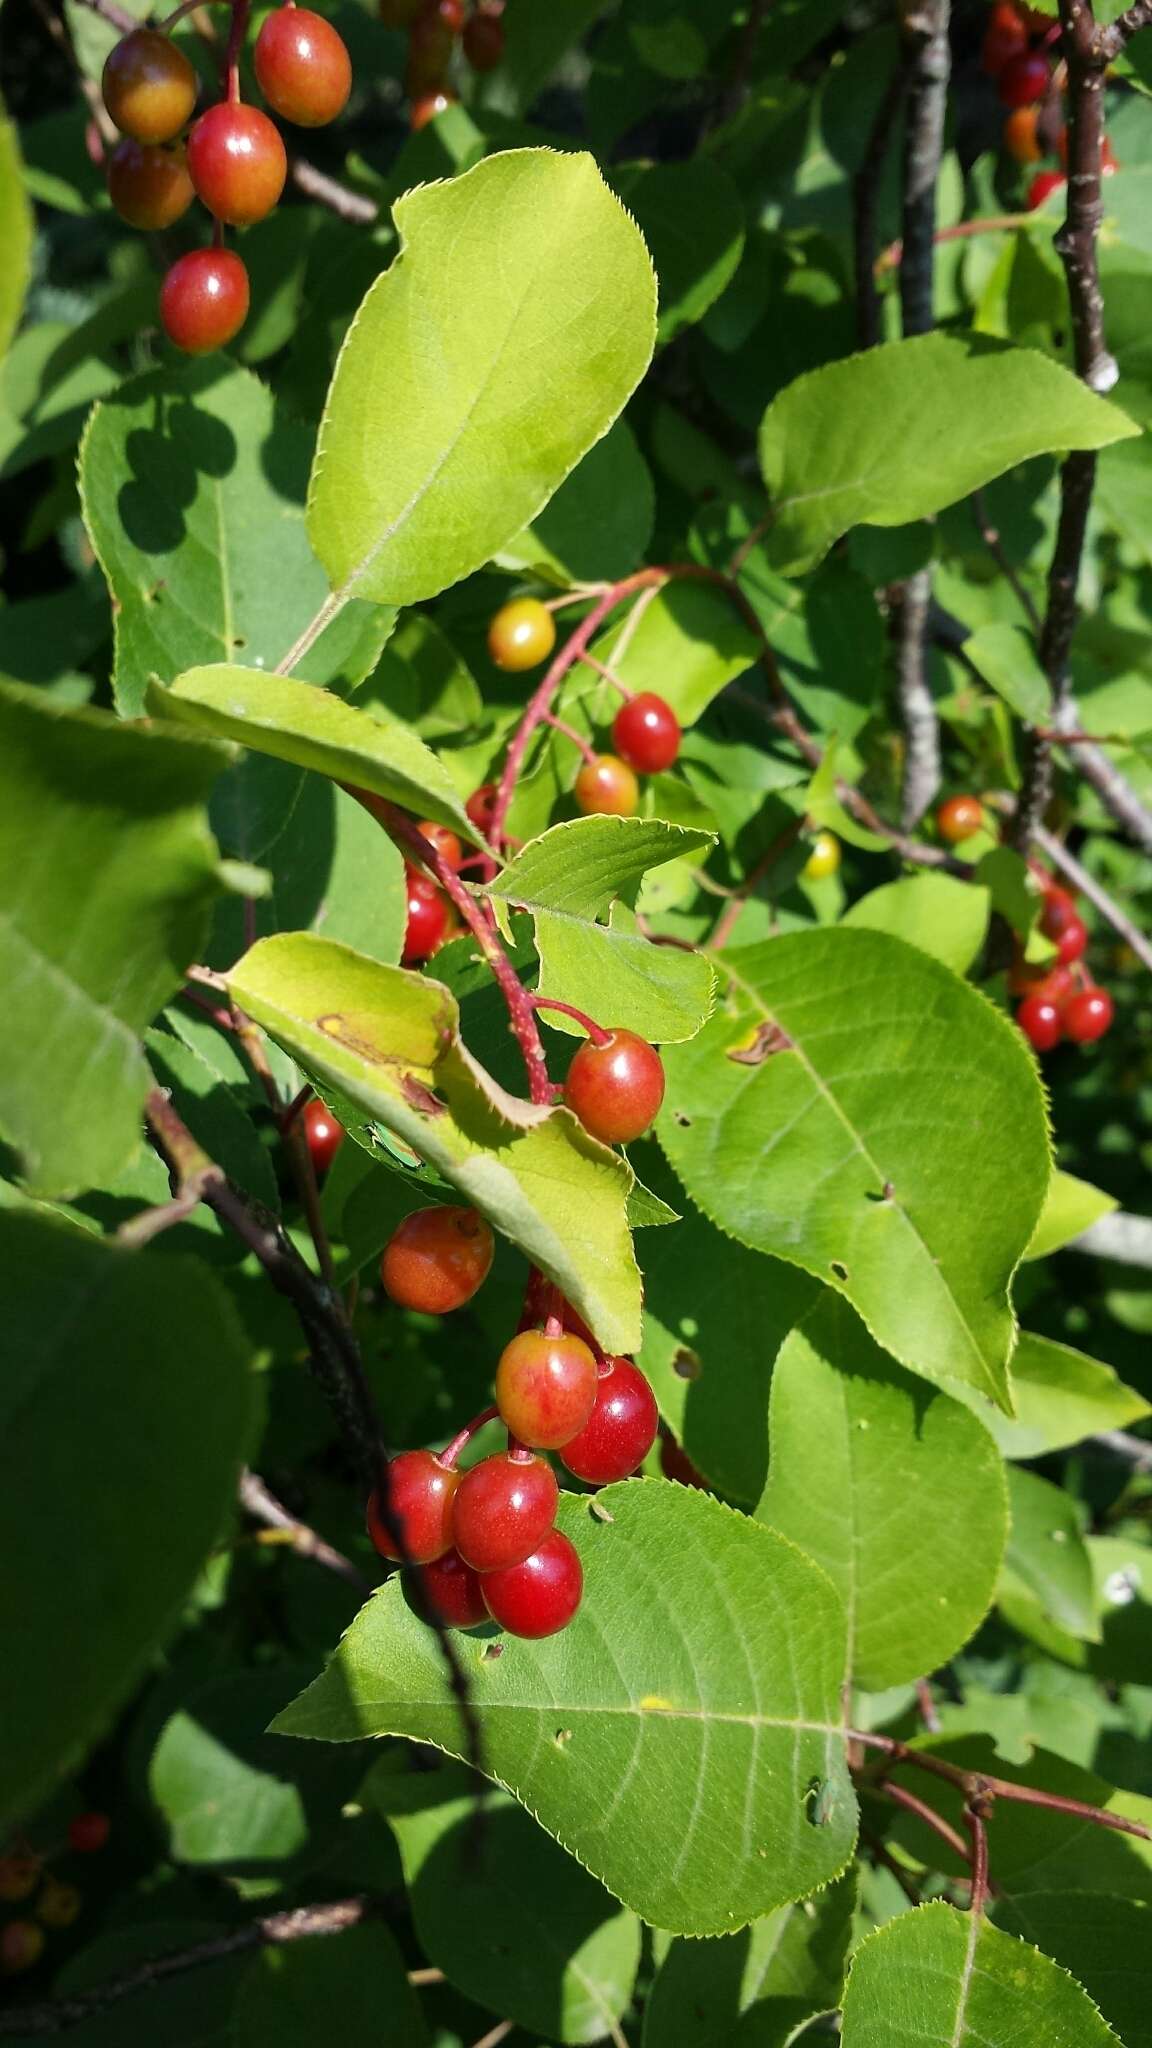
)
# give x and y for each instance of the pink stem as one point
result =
(451, 1452)
(236, 35)
(570, 733)
(596, 1032)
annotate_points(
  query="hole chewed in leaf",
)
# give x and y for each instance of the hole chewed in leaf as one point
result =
(686, 1365)
(760, 1044)
(839, 1271)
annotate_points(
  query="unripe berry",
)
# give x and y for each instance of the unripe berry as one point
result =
(148, 183)
(646, 733)
(824, 858)
(444, 840)
(59, 1904)
(303, 67)
(88, 1833)
(545, 1388)
(616, 1088)
(19, 1876)
(418, 1491)
(426, 106)
(959, 819)
(505, 1507)
(453, 1591)
(540, 1596)
(427, 919)
(204, 300)
(1020, 138)
(149, 86)
(437, 1259)
(621, 1429)
(606, 787)
(237, 162)
(324, 1134)
(481, 807)
(21, 1946)
(521, 634)
(1088, 1015)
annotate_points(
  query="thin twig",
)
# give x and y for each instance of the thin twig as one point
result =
(927, 1706)
(990, 535)
(913, 1804)
(976, 1812)
(1134, 1450)
(972, 1783)
(263, 1506)
(1127, 1240)
(354, 207)
(1126, 25)
(738, 898)
(499, 2032)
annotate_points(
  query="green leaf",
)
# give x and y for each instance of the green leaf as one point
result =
(686, 643)
(1046, 1550)
(571, 876)
(213, 1114)
(861, 1454)
(127, 1401)
(1070, 1206)
(569, 1972)
(954, 1979)
(898, 433)
(422, 679)
(442, 436)
(16, 230)
(692, 218)
(674, 1729)
(1061, 1397)
(756, 1987)
(598, 525)
(117, 815)
(387, 1042)
(782, 1122)
(1103, 1940)
(294, 721)
(192, 488)
(352, 1987)
(1006, 657)
(941, 915)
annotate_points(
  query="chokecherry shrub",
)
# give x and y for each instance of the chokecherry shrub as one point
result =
(575, 1095)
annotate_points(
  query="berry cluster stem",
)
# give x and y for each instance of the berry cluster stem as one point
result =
(236, 34)
(596, 1032)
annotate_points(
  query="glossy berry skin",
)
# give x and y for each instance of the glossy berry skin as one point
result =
(539, 1597)
(521, 634)
(237, 163)
(1020, 138)
(302, 67)
(1054, 982)
(1088, 1015)
(621, 1429)
(59, 1904)
(204, 300)
(481, 807)
(21, 1946)
(1042, 187)
(149, 86)
(19, 1877)
(505, 1507)
(616, 1088)
(453, 1591)
(426, 106)
(545, 1388)
(323, 1132)
(607, 787)
(88, 1833)
(1061, 922)
(427, 919)
(959, 818)
(484, 40)
(420, 1493)
(1005, 37)
(437, 1259)
(444, 840)
(450, 14)
(824, 858)
(646, 733)
(148, 184)
(1041, 1021)
(1024, 79)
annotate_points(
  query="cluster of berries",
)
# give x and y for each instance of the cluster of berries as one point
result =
(1061, 1001)
(23, 1878)
(645, 730)
(1013, 52)
(434, 27)
(484, 1541)
(233, 158)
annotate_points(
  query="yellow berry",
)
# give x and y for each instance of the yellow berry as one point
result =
(824, 858)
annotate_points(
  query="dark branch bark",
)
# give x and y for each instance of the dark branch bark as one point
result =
(865, 200)
(1113, 39)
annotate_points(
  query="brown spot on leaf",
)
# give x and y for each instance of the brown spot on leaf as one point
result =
(760, 1045)
(686, 1365)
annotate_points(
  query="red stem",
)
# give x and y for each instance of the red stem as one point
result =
(974, 1817)
(236, 34)
(451, 1452)
(596, 1032)
(974, 1783)
(900, 1796)
(570, 733)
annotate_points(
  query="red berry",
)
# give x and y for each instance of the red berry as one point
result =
(437, 1259)
(427, 919)
(324, 1133)
(521, 634)
(484, 40)
(1004, 38)
(1088, 1014)
(204, 300)
(545, 1388)
(1024, 79)
(607, 787)
(302, 66)
(1053, 982)
(444, 840)
(674, 1464)
(959, 818)
(149, 86)
(419, 1491)
(1061, 922)
(453, 1591)
(616, 1088)
(22, 1942)
(426, 106)
(1041, 1022)
(237, 162)
(505, 1507)
(481, 807)
(646, 733)
(429, 54)
(1042, 187)
(448, 14)
(621, 1429)
(1020, 138)
(540, 1596)
(148, 183)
